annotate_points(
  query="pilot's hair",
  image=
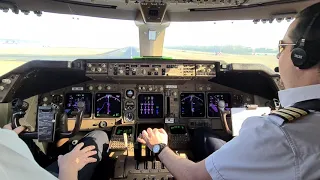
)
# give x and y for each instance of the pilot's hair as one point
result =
(313, 38)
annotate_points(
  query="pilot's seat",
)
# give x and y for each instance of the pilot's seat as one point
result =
(206, 141)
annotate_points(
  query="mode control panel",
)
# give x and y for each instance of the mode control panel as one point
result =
(147, 69)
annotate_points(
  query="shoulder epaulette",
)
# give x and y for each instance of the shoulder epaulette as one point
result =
(290, 114)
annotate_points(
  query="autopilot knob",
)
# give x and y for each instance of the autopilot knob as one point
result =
(144, 72)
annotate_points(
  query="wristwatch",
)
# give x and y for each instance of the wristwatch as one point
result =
(158, 148)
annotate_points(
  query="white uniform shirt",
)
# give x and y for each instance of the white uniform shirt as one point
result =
(16, 160)
(269, 149)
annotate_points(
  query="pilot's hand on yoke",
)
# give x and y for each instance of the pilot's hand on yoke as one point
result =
(77, 158)
(153, 137)
(18, 130)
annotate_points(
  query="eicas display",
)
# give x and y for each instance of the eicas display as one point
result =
(192, 105)
(108, 105)
(213, 100)
(71, 103)
(150, 106)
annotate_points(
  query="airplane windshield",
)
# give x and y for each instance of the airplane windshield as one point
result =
(68, 37)
(229, 41)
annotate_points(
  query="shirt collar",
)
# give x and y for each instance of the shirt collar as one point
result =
(291, 96)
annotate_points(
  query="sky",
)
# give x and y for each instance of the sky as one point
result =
(80, 31)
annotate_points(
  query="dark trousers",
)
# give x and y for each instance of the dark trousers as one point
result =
(97, 138)
(205, 142)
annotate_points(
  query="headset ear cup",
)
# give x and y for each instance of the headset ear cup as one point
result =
(299, 57)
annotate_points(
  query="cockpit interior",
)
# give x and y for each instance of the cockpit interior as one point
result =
(60, 101)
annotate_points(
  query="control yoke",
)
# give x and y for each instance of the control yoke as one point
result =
(223, 116)
(48, 116)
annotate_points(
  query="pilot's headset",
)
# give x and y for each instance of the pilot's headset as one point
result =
(298, 55)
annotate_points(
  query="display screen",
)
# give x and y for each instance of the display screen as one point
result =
(178, 129)
(150, 106)
(72, 100)
(124, 129)
(108, 105)
(213, 99)
(192, 105)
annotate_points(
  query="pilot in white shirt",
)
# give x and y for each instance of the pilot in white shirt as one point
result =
(270, 147)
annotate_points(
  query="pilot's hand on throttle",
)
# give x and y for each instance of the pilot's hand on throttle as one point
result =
(77, 158)
(153, 137)
(18, 130)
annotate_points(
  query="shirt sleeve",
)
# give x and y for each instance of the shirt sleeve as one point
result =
(261, 151)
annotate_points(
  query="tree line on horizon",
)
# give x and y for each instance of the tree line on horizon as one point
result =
(240, 50)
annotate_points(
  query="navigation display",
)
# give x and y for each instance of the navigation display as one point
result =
(72, 100)
(108, 105)
(124, 129)
(178, 129)
(150, 106)
(213, 99)
(192, 105)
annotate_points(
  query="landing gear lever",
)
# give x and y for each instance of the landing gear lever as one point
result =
(223, 116)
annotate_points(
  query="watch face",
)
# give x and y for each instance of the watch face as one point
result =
(156, 148)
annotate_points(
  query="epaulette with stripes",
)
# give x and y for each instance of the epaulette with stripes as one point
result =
(290, 114)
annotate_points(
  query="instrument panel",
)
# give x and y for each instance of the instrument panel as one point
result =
(129, 93)
(134, 103)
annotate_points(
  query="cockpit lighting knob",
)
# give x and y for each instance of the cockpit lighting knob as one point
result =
(156, 69)
(208, 70)
(200, 88)
(121, 71)
(93, 69)
(1, 88)
(45, 99)
(90, 88)
(103, 65)
(212, 66)
(89, 65)
(6, 81)
(99, 69)
(150, 88)
(99, 88)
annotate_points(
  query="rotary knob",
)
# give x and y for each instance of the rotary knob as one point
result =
(108, 87)
(99, 88)
(90, 88)
(150, 88)
(93, 69)
(45, 99)
(121, 71)
(89, 65)
(200, 88)
(102, 124)
(103, 65)
(99, 69)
